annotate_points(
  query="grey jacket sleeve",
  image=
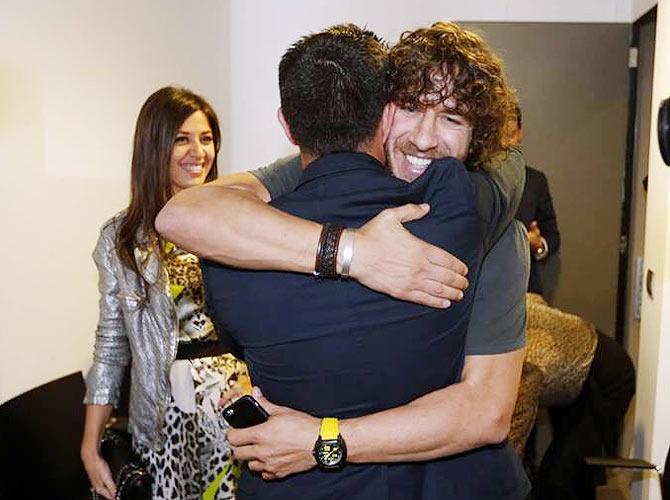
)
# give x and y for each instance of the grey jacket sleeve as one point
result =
(281, 176)
(499, 187)
(111, 352)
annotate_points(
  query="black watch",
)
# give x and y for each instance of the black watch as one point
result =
(329, 450)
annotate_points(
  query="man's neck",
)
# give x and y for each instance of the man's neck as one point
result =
(376, 152)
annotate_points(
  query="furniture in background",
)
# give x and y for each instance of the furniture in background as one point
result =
(40, 436)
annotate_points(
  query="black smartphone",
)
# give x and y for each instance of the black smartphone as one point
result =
(245, 412)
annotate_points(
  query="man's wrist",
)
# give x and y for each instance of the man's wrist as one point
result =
(334, 252)
(345, 253)
(542, 251)
(330, 450)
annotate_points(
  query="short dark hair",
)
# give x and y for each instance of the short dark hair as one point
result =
(332, 86)
(446, 61)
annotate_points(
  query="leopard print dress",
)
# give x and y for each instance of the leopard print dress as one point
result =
(195, 461)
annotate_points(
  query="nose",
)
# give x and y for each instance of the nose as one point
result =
(424, 135)
(197, 150)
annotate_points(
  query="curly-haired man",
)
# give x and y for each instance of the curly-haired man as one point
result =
(450, 99)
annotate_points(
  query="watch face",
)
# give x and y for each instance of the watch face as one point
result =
(330, 453)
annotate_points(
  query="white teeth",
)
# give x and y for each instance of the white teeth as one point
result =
(418, 162)
(192, 169)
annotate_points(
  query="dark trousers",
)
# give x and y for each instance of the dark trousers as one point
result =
(587, 426)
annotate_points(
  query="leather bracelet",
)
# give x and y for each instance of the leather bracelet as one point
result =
(336, 249)
(319, 249)
(347, 251)
(326, 258)
(329, 252)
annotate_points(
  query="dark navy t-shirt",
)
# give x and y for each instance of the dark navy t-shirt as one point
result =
(336, 348)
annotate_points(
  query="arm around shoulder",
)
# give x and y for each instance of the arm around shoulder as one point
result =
(499, 186)
(230, 222)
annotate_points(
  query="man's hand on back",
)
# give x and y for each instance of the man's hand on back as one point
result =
(389, 259)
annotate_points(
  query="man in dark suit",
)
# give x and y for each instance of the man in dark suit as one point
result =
(536, 211)
(333, 348)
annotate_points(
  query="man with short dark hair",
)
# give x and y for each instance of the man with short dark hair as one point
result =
(471, 413)
(333, 348)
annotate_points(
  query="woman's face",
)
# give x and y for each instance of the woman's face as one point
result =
(192, 153)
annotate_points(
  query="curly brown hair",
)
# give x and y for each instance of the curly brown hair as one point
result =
(429, 66)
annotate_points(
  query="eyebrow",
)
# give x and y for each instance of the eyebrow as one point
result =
(208, 131)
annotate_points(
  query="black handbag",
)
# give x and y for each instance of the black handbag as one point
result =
(133, 481)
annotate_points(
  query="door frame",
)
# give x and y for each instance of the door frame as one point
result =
(632, 122)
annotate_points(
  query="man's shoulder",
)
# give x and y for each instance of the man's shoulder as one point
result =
(533, 174)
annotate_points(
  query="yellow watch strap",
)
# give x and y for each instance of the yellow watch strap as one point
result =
(330, 428)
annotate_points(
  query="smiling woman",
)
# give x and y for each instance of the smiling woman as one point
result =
(153, 317)
(193, 152)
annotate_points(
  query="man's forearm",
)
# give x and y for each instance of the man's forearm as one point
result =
(231, 223)
(472, 413)
(461, 417)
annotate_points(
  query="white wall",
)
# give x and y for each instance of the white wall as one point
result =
(73, 75)
(652, 410)
(640, 7)
(260, 32)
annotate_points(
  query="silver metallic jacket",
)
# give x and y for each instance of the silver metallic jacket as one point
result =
(135, 323)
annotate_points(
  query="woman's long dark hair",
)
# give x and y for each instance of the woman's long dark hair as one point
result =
(157, 125)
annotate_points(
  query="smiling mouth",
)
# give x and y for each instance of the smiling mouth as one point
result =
(418, 164)
(193, 168)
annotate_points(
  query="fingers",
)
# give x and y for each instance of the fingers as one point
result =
(242, 437)
(444, 259)
(271, 408)
(258, 466)
(425, 299)
(229, 395)
(105, 477)
(406, 213)
(104, 486)
(441, 291)
(108, 482)
(245, 453)
(100, 477)
(103, 492)
(255, 465)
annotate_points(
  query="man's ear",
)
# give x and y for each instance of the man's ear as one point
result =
(284, 125)
(387, 119)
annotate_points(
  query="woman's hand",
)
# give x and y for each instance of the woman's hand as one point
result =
(279, 447)
(98, 471)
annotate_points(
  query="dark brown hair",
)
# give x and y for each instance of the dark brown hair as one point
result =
(430, 65)
(150, 188)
